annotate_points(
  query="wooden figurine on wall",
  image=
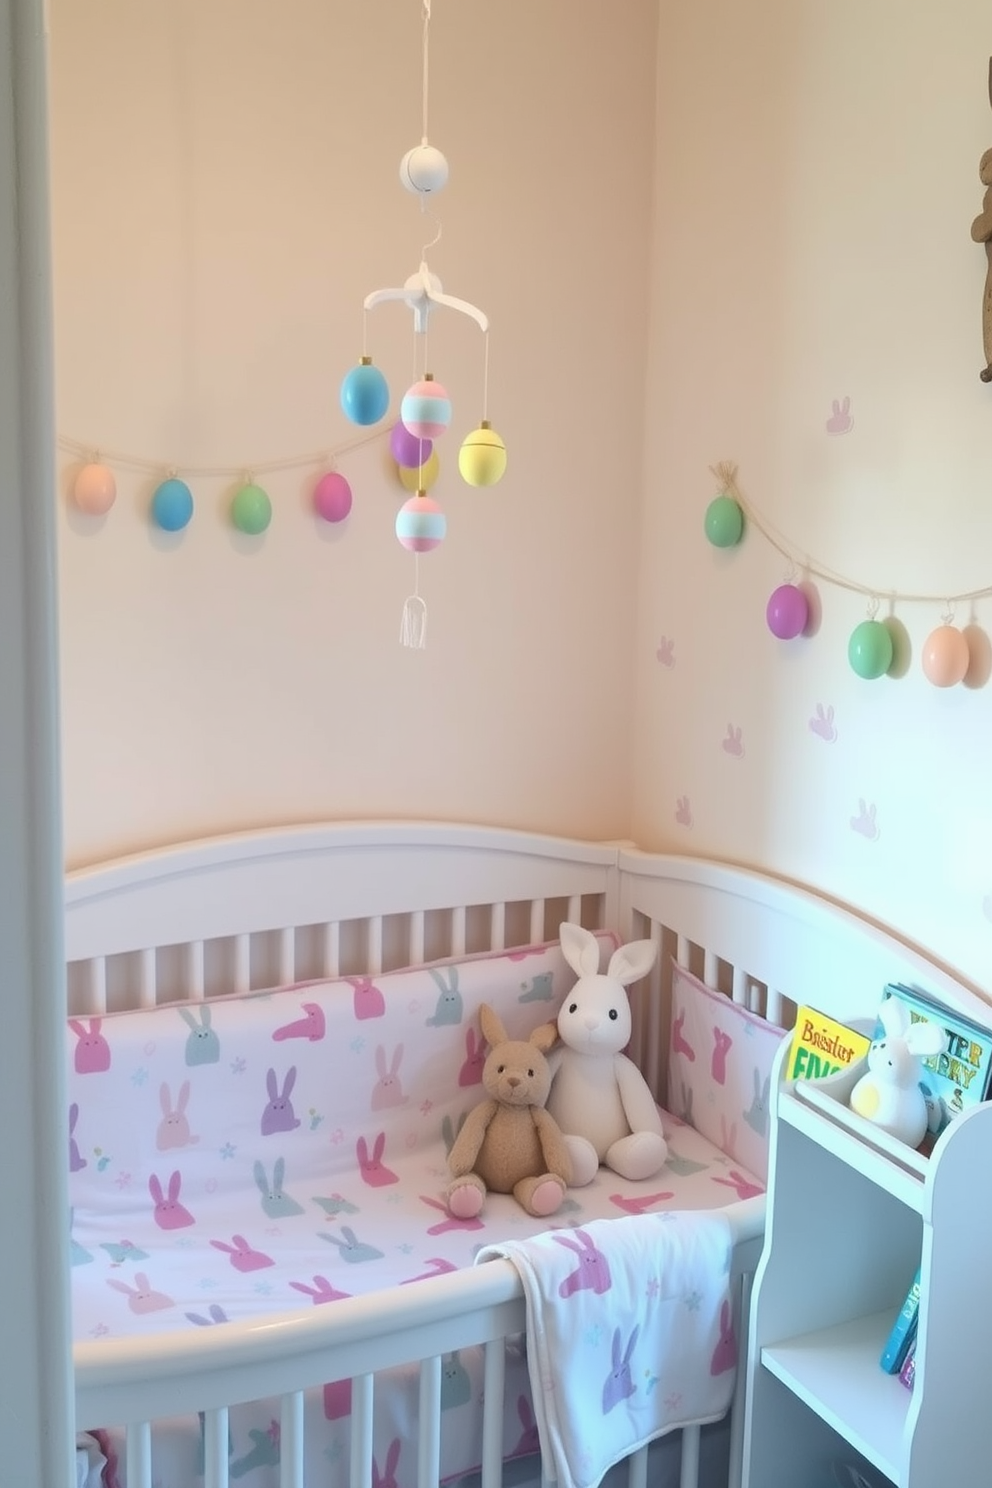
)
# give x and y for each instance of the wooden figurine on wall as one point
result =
(981, 232)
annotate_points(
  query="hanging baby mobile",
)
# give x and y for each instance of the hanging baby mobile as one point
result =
(425, 410)
(872, 649)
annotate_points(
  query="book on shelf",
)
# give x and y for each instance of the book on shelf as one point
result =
(822, 1046)
(961, 1075)
(903, 1331)
(907, 1374)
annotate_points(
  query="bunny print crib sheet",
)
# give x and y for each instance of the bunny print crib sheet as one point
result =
(267, 1152)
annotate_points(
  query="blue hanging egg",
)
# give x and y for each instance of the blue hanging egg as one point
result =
(364, 393)
(172, 505)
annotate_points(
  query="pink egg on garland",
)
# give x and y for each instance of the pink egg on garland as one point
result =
(332, 497)
(787, 612)
(421, 524)
(94, 490)
(946, 657)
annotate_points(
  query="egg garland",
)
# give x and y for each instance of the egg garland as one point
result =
(876, 648)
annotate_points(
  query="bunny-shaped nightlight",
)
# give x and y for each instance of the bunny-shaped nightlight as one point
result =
(599, 1097)
(889, 1093)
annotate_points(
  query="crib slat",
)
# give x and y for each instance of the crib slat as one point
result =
(216, 1427)
(287, 955)
(711, 969)
(494, 1383)
(138, 1455)
(98, 984)
(331, 949)
(458, 930)
(429, 1445)
(650, 1013)
(195, 980)
(536, 921)
(291, 1441)
(417, 940)
(637, 1468)
(741, 986)
(574, 910)
(689, 1475)
(497, 927)
(361, 1431)
(242, 963)
(147, 979)
(682, 951)
(775, 1007)
(373, 946)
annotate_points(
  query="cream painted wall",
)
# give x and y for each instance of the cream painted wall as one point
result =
(816, 179)
(225, 193)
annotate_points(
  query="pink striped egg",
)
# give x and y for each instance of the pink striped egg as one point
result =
(421, 524)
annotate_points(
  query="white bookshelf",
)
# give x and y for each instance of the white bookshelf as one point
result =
(850, 1215)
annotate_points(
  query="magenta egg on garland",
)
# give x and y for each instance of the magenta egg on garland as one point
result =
(332, 497)
(787, 612)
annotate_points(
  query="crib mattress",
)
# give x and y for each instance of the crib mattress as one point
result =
(238, 1254)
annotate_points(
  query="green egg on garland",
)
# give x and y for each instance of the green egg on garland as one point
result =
(724, 521)
(869, 649)
(251, 510)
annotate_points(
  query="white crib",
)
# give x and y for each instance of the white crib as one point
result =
(260, 909)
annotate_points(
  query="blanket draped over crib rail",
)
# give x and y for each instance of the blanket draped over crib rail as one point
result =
(629, 1333)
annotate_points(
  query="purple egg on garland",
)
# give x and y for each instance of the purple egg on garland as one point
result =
(407, 449)
(787, 612)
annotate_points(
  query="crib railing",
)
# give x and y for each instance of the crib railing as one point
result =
(247, 914)
(136, 1382)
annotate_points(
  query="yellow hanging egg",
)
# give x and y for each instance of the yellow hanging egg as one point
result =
(482, 457)
(419, 477)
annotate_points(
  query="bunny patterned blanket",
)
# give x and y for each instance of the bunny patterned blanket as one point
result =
(274, 1151)
(629, 1334)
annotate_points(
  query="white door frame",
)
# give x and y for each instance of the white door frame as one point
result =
(36, 1392)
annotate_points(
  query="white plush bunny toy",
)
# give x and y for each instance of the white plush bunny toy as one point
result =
(599, 1097)
(889, 1093)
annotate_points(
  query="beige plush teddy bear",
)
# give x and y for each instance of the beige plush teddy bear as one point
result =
(509, 1143)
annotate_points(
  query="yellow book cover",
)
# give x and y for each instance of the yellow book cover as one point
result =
(821, 1046)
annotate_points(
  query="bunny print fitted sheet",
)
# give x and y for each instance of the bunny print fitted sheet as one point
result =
(272, 1151)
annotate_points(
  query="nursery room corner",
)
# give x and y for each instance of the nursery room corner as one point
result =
(438, 581)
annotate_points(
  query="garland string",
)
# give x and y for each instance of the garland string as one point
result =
(98, 454)
(726, 474)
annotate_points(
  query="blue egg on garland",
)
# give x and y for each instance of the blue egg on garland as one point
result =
(364, 393)
(172, 505)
